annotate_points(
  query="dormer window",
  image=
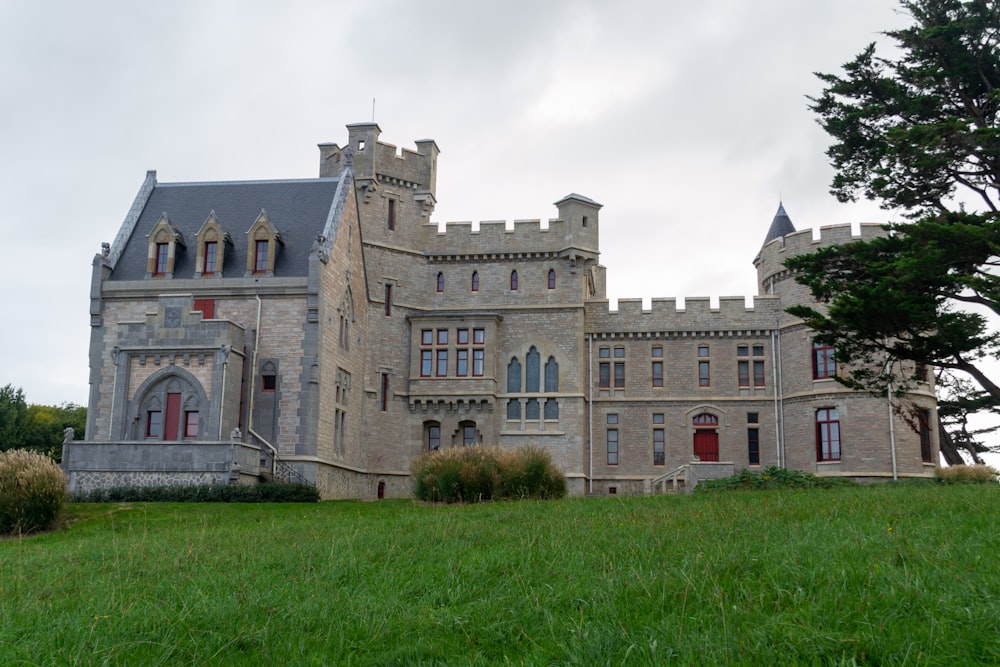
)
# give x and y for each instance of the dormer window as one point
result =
(260, 256)
(165, 242)
(162, 252)
(212, 241)
(262, 247)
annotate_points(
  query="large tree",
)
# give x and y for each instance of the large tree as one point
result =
(917, 131)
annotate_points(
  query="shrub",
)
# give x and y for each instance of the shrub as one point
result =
(771, 478)
(528, 472)
(272, 492)
(474, 474)
(977, 474)
(32, 491)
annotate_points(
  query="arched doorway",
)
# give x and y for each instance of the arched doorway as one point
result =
(706, 437)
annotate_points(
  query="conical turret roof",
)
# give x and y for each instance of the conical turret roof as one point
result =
(780, 226)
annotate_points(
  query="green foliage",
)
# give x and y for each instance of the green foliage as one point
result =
(876, 575)
(771, 478)
(528, 472)
(32, 490)
(13, 410)
(975, 474)
(272, 492)
(909, 130)
(475, 474)
(37, 427)
(914, 131)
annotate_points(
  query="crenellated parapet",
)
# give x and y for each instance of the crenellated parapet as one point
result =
(378, 164)
(732, 317)
(496, 237)
(771, 260)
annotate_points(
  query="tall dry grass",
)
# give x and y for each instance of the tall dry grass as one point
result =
(32, 491)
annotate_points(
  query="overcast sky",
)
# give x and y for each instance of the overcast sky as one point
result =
(687, 121)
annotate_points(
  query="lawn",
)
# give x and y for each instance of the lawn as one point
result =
(903, 575)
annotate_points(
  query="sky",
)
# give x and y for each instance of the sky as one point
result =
(688, 121)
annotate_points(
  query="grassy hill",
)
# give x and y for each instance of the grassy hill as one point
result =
(904, 575)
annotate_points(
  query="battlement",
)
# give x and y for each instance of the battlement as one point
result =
(371, 159)
(697, 315)
(771, 259)
(533, 237)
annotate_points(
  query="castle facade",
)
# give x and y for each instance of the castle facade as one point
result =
(327, 330)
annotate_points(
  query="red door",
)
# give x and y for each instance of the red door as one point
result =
(706, 444)
(172, 422)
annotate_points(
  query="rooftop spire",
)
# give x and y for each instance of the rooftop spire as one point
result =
(780, 226)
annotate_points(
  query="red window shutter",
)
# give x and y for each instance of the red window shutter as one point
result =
(206, 307)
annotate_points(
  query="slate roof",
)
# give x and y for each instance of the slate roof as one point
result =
(297, 209)
(780, 226)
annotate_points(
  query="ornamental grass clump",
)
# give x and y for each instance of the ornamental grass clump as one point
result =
(975, 474)
(476, 474)
(32, 491)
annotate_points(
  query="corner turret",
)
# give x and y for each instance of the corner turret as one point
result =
(580, 215)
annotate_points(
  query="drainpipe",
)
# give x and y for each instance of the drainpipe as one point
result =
(222, 403)
(253, 387)
(115, 353)
(774, 382)
(590, 409)
(892, 431)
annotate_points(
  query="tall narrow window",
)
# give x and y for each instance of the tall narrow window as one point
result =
(605, 375)
(612, 440)
(552, 278)
(388, 299)
(827, 435)
(824, 365)
(154, 424)
(924, 418)
(461, 363)
(659, 449)
(704, 375)
(191, 424)
(442, 363)
(514, 376)
(619, 375)
(551, 386)
(433, 436)
(478, 360)
(758, 373)
(532, 371)
(211, 257)
(657, 373)
(384, 397)
(475, 281)
(426, 359)
(440, 282)
(390, 217)
(513, 281)
(743, 372)
(753, 446)
(162, 253)
(260, 257)
(468, 433)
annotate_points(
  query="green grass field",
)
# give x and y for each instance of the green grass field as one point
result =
(904, 575)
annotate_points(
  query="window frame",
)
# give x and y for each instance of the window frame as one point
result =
(828, 435)
(824, 363)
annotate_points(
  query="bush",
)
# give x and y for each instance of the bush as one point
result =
(977, 474)
(772, 478)
(32, 491)
(272, 492)
(474, 474)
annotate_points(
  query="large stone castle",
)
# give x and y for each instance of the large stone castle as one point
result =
(327, 330)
